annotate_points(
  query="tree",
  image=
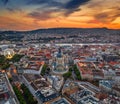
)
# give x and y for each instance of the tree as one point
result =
(5, 66)
(4, 63)
(67, 75)
(28, 96)
(2, 59)
(44, 69)
(76, 71)
(16, 58)
(19, 95)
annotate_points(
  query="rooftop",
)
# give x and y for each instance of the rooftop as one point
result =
(36, 81)
(90, 87)
(3, 84)
(88, 100)
(43, 90)
(86, 67)
(46, 95)
(61, 101)
(106, 83)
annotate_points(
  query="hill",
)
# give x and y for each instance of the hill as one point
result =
(56, 32)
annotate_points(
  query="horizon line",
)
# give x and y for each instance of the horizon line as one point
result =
(60, 28)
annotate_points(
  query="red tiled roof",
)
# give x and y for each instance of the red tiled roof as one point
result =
(84, 70)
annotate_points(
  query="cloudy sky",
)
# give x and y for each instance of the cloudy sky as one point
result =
(34, 14)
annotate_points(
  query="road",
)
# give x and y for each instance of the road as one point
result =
(12, 93)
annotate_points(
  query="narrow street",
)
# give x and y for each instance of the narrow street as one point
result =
(12, 93)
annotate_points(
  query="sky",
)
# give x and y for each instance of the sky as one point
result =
(36, 14)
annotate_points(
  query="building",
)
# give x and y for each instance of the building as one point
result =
(32, 67)
(88, 100)
(85, 69)
(90, 87)
(116, 90)
(59, 63)
(106, 85)
(4, 92)
(46, 95)
(56, 81)
(40, 88)
(61, 101)
(6, 95)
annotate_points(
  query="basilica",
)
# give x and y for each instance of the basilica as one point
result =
(59, 62)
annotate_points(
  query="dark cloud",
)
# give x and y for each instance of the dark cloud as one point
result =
(94, 4)
(106, 17)
(115, 8)
(44, 13)
(5, 1)
(46, 2)
(37, 1)
(73, 6)
(102, 15)
(68, 12)
(68, 7)
(40, 15)
(10, 9)
(13, 10)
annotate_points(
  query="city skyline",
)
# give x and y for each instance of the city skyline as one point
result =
(34, 14)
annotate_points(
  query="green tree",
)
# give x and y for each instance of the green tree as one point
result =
(19, 95)
(5, 66)
(67, 75)
(16, 58)
(2, 59)
(4, 63)
(29, 98)
(76, 71)
(44, 69)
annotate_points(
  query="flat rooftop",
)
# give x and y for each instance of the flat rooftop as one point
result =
(88, 100)
(90, 86)
(34, 65)
(43, 90)
(106, 83)
(61, 101)
(36, 81)
(46, 95)
(75, 97)
(86, 67)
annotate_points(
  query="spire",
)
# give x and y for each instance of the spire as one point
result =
(59, 50)
(59, 55)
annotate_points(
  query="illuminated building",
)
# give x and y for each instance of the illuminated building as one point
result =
(60, 63)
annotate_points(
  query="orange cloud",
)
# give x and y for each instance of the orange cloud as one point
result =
(95, 13)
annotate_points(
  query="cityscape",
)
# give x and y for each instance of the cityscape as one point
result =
(59, 52)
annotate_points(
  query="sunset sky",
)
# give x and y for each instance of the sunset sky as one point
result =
(34, 14)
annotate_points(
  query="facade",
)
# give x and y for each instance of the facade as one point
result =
(32, 67)
(40, 88)
(106, 85)
(59, 63)
(56, 81)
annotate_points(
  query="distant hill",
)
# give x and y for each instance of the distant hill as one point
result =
(60, 30)
(18, 35)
